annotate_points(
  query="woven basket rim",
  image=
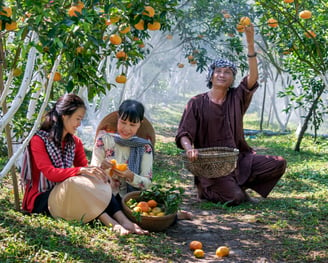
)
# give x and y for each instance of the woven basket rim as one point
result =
(204, 153)
(152, 223)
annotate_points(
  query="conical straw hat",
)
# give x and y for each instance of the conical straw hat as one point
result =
(82, 198)
(109, 124)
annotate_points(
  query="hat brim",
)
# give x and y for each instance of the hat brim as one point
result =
(109, 124)
(82, 198)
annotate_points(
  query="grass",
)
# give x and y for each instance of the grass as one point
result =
(291, 225)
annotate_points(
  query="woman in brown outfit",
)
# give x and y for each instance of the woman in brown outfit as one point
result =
(215, 118)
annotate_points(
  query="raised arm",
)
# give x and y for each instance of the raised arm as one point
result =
(251, 54)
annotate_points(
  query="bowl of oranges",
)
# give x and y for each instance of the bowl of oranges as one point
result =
(151, 210)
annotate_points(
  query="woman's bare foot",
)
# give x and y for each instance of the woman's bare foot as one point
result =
(120, 230)
(184, 215)
(134, 228)
(129, 225)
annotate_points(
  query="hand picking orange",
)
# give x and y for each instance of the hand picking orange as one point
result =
(117, 166)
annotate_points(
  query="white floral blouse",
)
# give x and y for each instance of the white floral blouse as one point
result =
(106, 148)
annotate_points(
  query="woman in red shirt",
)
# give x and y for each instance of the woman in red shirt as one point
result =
(55, 161)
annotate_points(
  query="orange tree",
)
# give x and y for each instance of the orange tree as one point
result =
(300, 42)
(51, 47)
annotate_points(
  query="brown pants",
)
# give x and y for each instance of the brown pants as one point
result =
(265, 173)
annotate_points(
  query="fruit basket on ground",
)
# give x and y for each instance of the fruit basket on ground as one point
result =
(154, 209)
(212, 162)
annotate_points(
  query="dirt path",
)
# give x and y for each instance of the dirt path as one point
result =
(244, 236)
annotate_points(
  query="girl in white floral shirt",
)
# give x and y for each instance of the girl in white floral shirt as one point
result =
(125, 147)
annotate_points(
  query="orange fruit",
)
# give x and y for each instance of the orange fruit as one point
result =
(272, 22)
(141, 45)
(306, 14)
(74, 11)
(121, 166)
(137, 209)
(79, 4)
(124, 28)
(310, 34)
(17, 72)
(57, 76)
(152, 203)
(121, 54)
(6, 11)
(193, 245)
(114, 19)
(154, 26)
(240, 28)
(245, 21)
(288, 1)
(199, 253)
(79, 50)
(140, 25)
(190, 57)
(149, 11)
(180, 65)
(11, 26)
(120, 79)
(144, 206)
(226, 15)
(222, 251)
(200, 36)
(115, 39)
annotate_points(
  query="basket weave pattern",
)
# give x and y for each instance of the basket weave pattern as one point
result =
(150, 223)
(213, 162)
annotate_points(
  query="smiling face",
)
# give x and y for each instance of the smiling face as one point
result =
(127, 129)
(222, 77)
(72, 122)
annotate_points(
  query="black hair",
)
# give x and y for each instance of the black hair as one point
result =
(132, 110)
(53, 122)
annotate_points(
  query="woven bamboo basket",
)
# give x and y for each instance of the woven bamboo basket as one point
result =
(213, 162)
(150, 223)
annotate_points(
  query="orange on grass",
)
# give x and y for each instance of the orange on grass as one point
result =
(190, 57)
(152, 203)
(11, 26)
(240, 28)
(149, 11)
(120, 79)
(193, 245)
(245, 21)
(180, 65)
(121, 54)
(226, 15)
(199, 253)
(140, 25)
(305, 14)
(6, 11)
(57, 76)
(144, 206)
(154, 26)
(288, 1)
(74, 11)
(272, 22)
(115, 39)
(222, 251)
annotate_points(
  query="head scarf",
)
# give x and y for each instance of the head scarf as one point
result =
(219, 63)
